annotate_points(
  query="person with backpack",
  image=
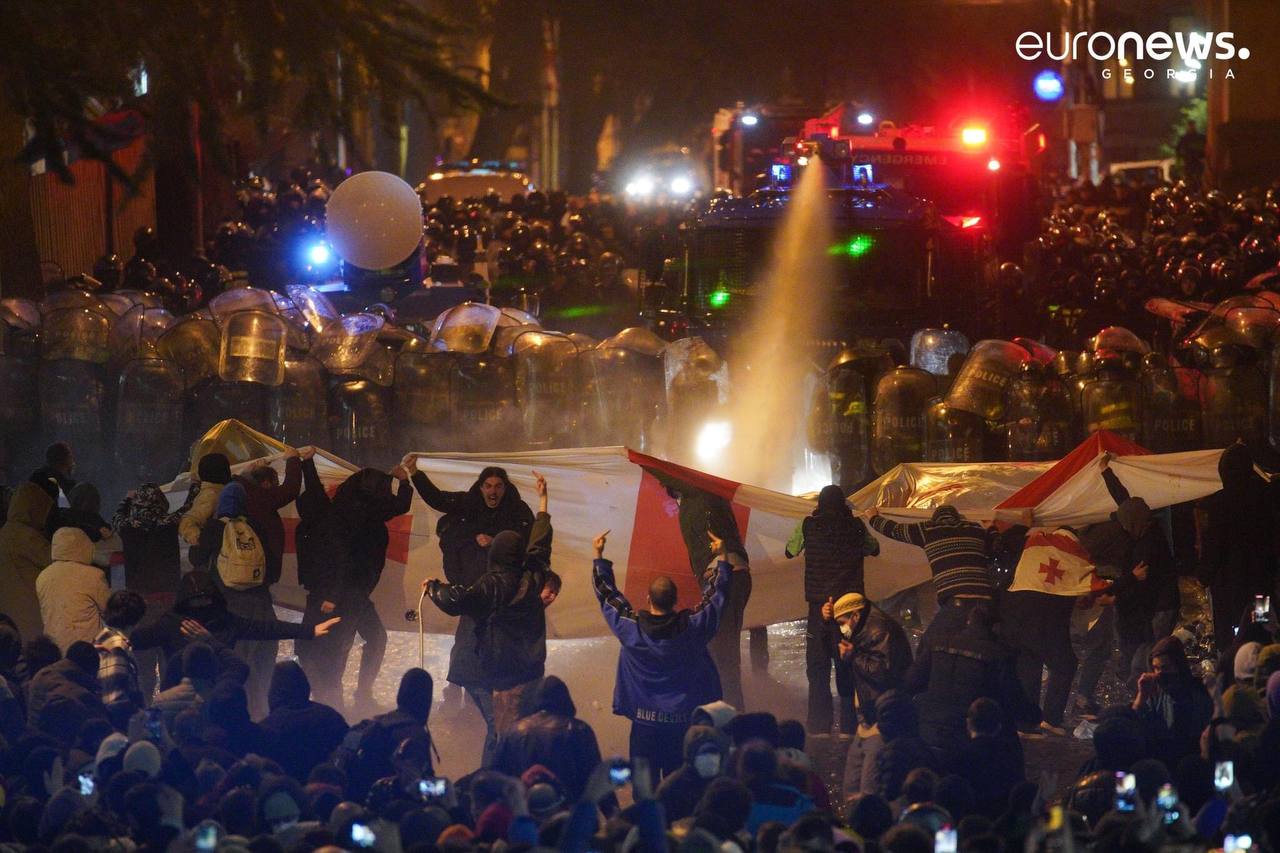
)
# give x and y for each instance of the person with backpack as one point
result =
(212, 473)
(345, 563)
(367, 751)
(664, 669)
(834, 543)
(505, 604)
(237, 559)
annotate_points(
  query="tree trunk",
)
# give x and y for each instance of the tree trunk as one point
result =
(19, 255)
(176, 148)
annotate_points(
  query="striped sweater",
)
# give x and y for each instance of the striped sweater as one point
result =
(956, 549)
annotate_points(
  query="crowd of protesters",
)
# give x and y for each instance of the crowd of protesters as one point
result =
(157, 717)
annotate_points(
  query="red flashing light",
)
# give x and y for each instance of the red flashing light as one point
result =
(834, 132)
(964, 221)
(1041, 142)
(973, 136)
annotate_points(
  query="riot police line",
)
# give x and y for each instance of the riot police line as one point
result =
(131, 386)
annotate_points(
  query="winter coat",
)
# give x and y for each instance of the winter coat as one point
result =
(84, 511)
(227, 708)
(549, 734)
(664, 668)
(149, 533)
(465, 515)
(1179, 709)
(63, 680)
(506, 606)
(355, 542)
(199, 598)
(263, 505)
(834, 543)
(24, 552)
(902, 750)
(292, 713)
(993, 765)
(682, 790)
(1038, 624)
(72, 592)
(948, 676)
(879, 660)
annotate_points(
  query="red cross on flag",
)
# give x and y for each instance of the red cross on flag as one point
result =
(1055, 562)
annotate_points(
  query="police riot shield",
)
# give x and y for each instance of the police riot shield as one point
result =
(1117, 339)
(298, 408)
(19, 414)
(216, 400)
(467, 328)
(252, 348)
(1038, 420)
(314, 306)
(952, 435)
(898, 421)
(625, 388)
(548, 388)
(360, 422)
(1254, 325)
(194, 345)
(73, 408)
(61, 300)
(512, 316)
(848, 416)
(1112, 400)
(77, 334)
(487, 416)
(135, 334)
(231, 302)
(1233, 399)
(1170, 406)
(933, 349)
(345, 345)
(423, 403)
(148, 429)
(980, 385)
(299, 335)
(19, 327)
(697, 386)
(119, 303)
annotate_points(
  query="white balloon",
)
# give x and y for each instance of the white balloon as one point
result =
(374, 220)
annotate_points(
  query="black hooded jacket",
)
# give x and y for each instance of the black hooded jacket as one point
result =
(343, 541)
(1238, 548)
(834, 544)
(199, 598)
(506, 604)
(549, 734)
(299, 733)
(466, 515)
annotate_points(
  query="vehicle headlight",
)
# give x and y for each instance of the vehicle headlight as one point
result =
(641, 186)
(681, 185)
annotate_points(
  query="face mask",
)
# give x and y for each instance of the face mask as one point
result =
(846, 631)
(707, 764)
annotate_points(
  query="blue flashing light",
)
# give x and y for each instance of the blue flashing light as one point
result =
(319, 254)
(1048, 85)
(780, 174)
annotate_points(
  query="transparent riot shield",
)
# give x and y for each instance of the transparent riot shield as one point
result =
(78, 334)
(933, 349)
(148, 430)
(252, 348)
(625, 388)
(487, 416)
(360, 422)
(231, 302)
(467, 328)
(73, 408)
(346, 345)
(1112, 400)
(215, 400)
(1039, 420)
(1233, 400)
(19, 415)
(850, 419)
(548, 388)
(194, 345)
(314, 306)
(298, 408)
(423, 401)
(135, 335)
(980, 386)
(697, 382)
(1170, 406)
(62, 300)
(952, 435)
(1117, 339)
(898, 421)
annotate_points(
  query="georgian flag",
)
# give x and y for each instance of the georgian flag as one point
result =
(1055, 562)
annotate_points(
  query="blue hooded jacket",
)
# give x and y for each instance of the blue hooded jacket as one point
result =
(664, 668)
